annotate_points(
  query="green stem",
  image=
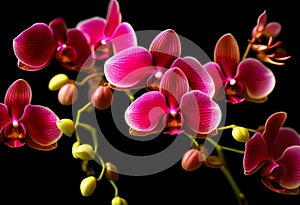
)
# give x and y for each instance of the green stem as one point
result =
(130, 95)
(239, 195)
(99, 74)
(85, 107)
(247, 51)
(103, 167)
(93, 133)
(115, 187)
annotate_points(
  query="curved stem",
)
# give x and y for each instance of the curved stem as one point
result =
(130, 95)
(85, 107)
(99, 74)
(115, 187)
(247, 51)
(103, 167)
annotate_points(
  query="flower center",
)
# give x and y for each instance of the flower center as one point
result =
(174, 122)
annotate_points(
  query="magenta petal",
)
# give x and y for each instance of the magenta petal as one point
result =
(123, 37)
(290, 161)
(173, 86)
(93, 29)
(146, 112)
(165, 48)
(59, 29)
(35, 46)
(259, 80)
(40, 123)
(256, 154)
(77, 40)
(285, 138)
(198, 77)
(113, 17)
(200, 112)
(5, 118)
(17, 96)
(129, 68)
(32, 144)
(272, 29)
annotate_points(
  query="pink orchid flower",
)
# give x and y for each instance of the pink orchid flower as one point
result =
(37, 45)
(110, 35)
(136, 67)
(276, 153)
(22, 123)
(174, 108)
(248, 79)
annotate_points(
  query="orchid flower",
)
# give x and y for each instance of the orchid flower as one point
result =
(137, 67)
(38, 45)
(22, 123)
(276, 153)
(110, 35)
(173, 108)
(248, 79)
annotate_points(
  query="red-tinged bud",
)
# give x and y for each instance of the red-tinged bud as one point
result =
(191, 160)
(102, 97)
(111, 171)
(67, 94)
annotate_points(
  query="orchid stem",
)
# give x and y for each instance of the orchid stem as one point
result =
(130, 95)
(79, 112)
(247, 51)
(99, 74)
(115, 187)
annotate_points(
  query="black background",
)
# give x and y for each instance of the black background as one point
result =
(33, 177)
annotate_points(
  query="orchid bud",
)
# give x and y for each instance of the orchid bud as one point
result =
(240, 134)
(74, 147)
(111, 171)
(67, 94)
(102, 97)
(88, 185)
(84, 152)
(66, 126)
(118, 201)
(213, 162)
(191, 160)
(58, 81)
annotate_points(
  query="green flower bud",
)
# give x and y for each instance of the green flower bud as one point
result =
(74, 147)
(88, 185)
(84, 152)
(240, 134)
(213, 162)
(118, 201)
(66, 126)
(58, 81)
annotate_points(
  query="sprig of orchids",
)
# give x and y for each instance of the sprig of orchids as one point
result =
(181, 96)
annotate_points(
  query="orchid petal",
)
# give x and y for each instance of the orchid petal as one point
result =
(129, 68)
(5, 118)
(59, 29)
(285, 138)
(198, 77)
(259, 80)
(272, 29)
(146, 112)
(165, 48)
(93, 28)
(266, 181)
(290, 161)
(32, 144)
(113, 17)
(256, 154)
(35, 46)
(173, 86)
(40, 123)
(227, 54)
(200, 112)
(261, 22)
(17, 96)
(123, 37)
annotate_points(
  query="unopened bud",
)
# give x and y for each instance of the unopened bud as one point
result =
(66, 126)
(67, 94)
(84, 152)
(88, 185)
(74, 147)
(102, 97)
(58, 81)
(111, 171)
(213, 162)
(191, 160)
(240, 134)
(118, 201)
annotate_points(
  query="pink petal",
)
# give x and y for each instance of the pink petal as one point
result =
(165, 48)
(259, 80)
(261, 22)
(290, 160)
(198, 77)
(40, 123)
(173, 86)
(285, 138)
(123, 37)
(34, 145)
(17, 96)
(77, 40)
(113, 17)
(93, 29)
(35, 46)
(5, 118)
(201, 114)
(256, 154)
(59, 29)
(272, 29)
(227, 54)
(146, 112)
(129, 68)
